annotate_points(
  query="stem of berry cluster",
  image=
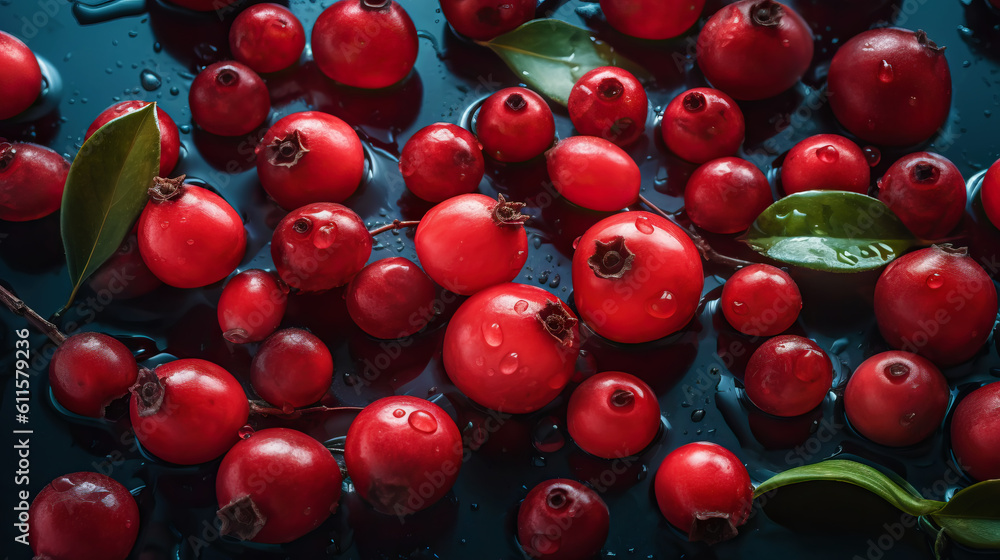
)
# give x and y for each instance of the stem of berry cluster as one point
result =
(706, 250)
(396, 224)
(263, 409)
(21, 309)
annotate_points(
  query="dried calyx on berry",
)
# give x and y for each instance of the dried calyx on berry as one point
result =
(612, 259)
(557, 322)
(287, 151)
(148, 392)
(924, 40)
(508, 212)
(164, 189)
(241, 519)
(767, 13)
(712, 528)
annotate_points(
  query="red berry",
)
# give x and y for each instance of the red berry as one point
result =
(124, 275)
(188, 411)
(936, 302)
(32, 178)
(726, 195)
(703, 124)
(441, 161)
(761, 300)
(21, 79)
(755, 49)
(320, 246)
(990, 192)
(561, 519)
(975, 433)
(403, 454)
(267, 38)
(652, 19)
(310, 157)
(275, 486)
(593, 173)
(365, 43)
(610, 103)
(72, 509)
(470, 242)
(292, 368)
(229, 99)
(636, 277)
(483, 20)
(189, 236)
(788, 375)
(705, 491)
(512, 347)
(170, 140)
(825, 162)
(613, 415)
(926, 191)
(515, 124)
(391, 298)
(897, 399)
(203, 5)
(251, 306)
(89, 370)
(890, 86)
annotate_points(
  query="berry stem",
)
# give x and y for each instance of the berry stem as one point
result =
(706, 250)
(21, 309)
(264, 409)
(396, 224)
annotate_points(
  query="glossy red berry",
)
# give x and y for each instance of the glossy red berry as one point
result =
(403, 454)
(71, 509)
(825, 162)
(275, 486)
(170, 140)
(896, 399)
(267, 38)
(229, 99)
(788, 375)
(936, 302)
(636, 277)
(705, 491)
(515, 124)
(975, 433)
(483, 20)
(89, 370)
(890, 86)
(188, 411)
(561, 519)
(441, 161)
(320, 246)
(31, 181)
(391, 298)
(365, 43)
(989, 192)
(310, 157)
(926, 191)
(189, 236)
(292, 368)
(593, 173)
(754, 49)
(652, 19)
(610, 103)
(203, 5)
(21, 79)
(703, 124)
(124, 275)
(251, 306)
(613, 415)
(726, 195)
(470, 242)
(761, 300)
(512, 347)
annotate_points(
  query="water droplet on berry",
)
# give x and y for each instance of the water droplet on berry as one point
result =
(740, 308)
(547, 437)
(827, 154)
(491, 372)
(492, 334)
(810, 365)
(885, 73)
(245, 432)
(480, 361)
(165, 224)
(662, 305)
(508, 364)
(399, 413)
(423, 421)
(325, 236)
(907, 419)
(62, 484)
(935, 281)
(190, 241)
(576, 242)
(521, 306)
(642, 224)
(873, 155)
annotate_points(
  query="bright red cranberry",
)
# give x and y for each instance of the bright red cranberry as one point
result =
(613, 415)
(470, 242)
(512, 347)
(726, 195)
(89, 370)
(593, 173)
(652, 19)
(267, 38)
(975, 433)
(515, 124)
(203, 5)
(320, 246)
(365, 43)
(936, 302)
(788, 375)
(21, 79)
(32, 178)
(275, 486)
(703, 124)
(441, 161)
(251, 306)
(483, 20)
(990, 191)
(170, 139)
(636, 277)
(292, 368)
(188, 411)
(926, 191)
(705, 491)
(73, 508)
(229, 99)
(825, 162)
(391, 298)
(423, 465)
(896, 399)
(561, 519)
(890, 86)
(761, 300)
(124, 275)
(310, 157)
(755, 49)
(189, 236)
(610, 103)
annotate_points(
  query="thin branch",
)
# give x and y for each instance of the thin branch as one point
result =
(706, 250)
(264, 409)
(20, 308)
(396, 224)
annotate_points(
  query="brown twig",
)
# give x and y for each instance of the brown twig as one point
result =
(264, 409)
(20, 308)
(706, 250)
(396, 224)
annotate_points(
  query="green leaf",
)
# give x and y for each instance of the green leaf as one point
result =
(106, 190)
(551, 55)
(834, 231)
(972, 516)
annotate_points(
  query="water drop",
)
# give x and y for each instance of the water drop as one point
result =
(423, 421)
(325, 236)
(480, 361)
(150, 80)
(491, 372)
(740, 308)
(245, 432)
(165, 224)
(62, 484)
(810, 366)
(935, 281)
(521, 306)
(546, 435)
(827, 154)
(662, 305)
(642, 224)
(885, 73)
(576, 243)
(907, 419)
(190, 241)
(698, 415)
(873, 155)
(399, 413)
(508, 364)
(492, 334)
